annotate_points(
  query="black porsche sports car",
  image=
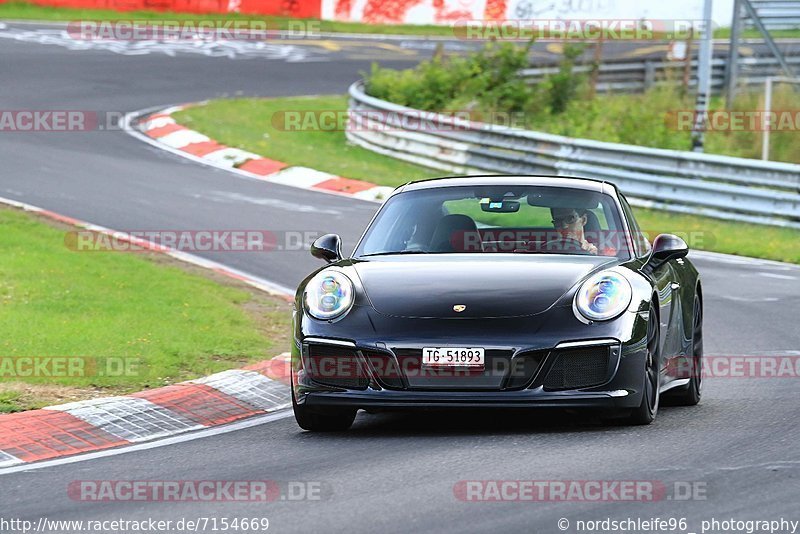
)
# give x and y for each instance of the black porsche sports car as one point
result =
(498, 291)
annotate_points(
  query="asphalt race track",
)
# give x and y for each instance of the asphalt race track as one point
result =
(390, 473)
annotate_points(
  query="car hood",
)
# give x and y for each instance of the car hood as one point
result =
(489, 286)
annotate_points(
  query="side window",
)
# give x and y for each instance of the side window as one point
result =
(600, 213)
(640, 243)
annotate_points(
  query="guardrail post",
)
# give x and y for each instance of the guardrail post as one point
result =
(704, 59)
(649, 74)
(732, 71)
(687, 63)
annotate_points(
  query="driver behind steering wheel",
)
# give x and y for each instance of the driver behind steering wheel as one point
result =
(569, 222)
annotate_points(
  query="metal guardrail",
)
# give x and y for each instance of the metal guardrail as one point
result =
(638, 76)
(717, 186)
(776, 14)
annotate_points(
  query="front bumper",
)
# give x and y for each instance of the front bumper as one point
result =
(406, 400)
(364, 333)
(620, 388)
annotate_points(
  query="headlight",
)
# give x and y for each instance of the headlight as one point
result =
(328, 295)
(604, 296)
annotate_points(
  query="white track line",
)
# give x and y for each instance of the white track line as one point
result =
(181, 438)
(274, 178)
(730, 258)
(778, 276)
(260, 283)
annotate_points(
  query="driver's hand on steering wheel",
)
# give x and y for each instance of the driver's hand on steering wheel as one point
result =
(585, 245)
(588, 247)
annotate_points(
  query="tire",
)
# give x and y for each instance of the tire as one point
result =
(648, 409)
(322, 419)
(690, 394)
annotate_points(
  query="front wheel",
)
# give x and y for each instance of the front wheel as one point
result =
(322, 419)
(691, 393)
(647, 410)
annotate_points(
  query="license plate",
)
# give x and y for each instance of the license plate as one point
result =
(452, 357)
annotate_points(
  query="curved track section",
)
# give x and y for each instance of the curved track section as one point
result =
(392, 473)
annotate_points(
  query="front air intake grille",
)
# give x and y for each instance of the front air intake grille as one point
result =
(578, 368)
(335, 366)
(523, 368)
(386, 369)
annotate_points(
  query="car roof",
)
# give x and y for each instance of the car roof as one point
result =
(588, 184)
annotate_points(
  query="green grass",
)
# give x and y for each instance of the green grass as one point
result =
(704, 233)
(10, 401)
(247, 124)
(725, 33)
(649, 120)
(173, 323)
(28, 11)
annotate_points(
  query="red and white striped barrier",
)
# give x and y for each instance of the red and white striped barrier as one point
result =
(97, 424)
(92, 425)
(161, 128)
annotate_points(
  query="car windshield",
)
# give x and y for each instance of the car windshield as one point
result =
(497, 219)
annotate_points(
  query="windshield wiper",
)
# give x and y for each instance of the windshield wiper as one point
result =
(395, 252)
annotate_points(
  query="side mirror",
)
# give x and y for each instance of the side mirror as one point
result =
(328, 248)
(667, 247)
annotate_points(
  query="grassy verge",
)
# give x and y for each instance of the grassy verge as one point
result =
(651, 120)
(251, 123)
(248, 124)
(752, 33)
(28, 11)
(140, 320)
(704, 233)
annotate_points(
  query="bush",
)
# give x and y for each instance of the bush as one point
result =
(430, 86)
(488, 81)
(561, 88)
